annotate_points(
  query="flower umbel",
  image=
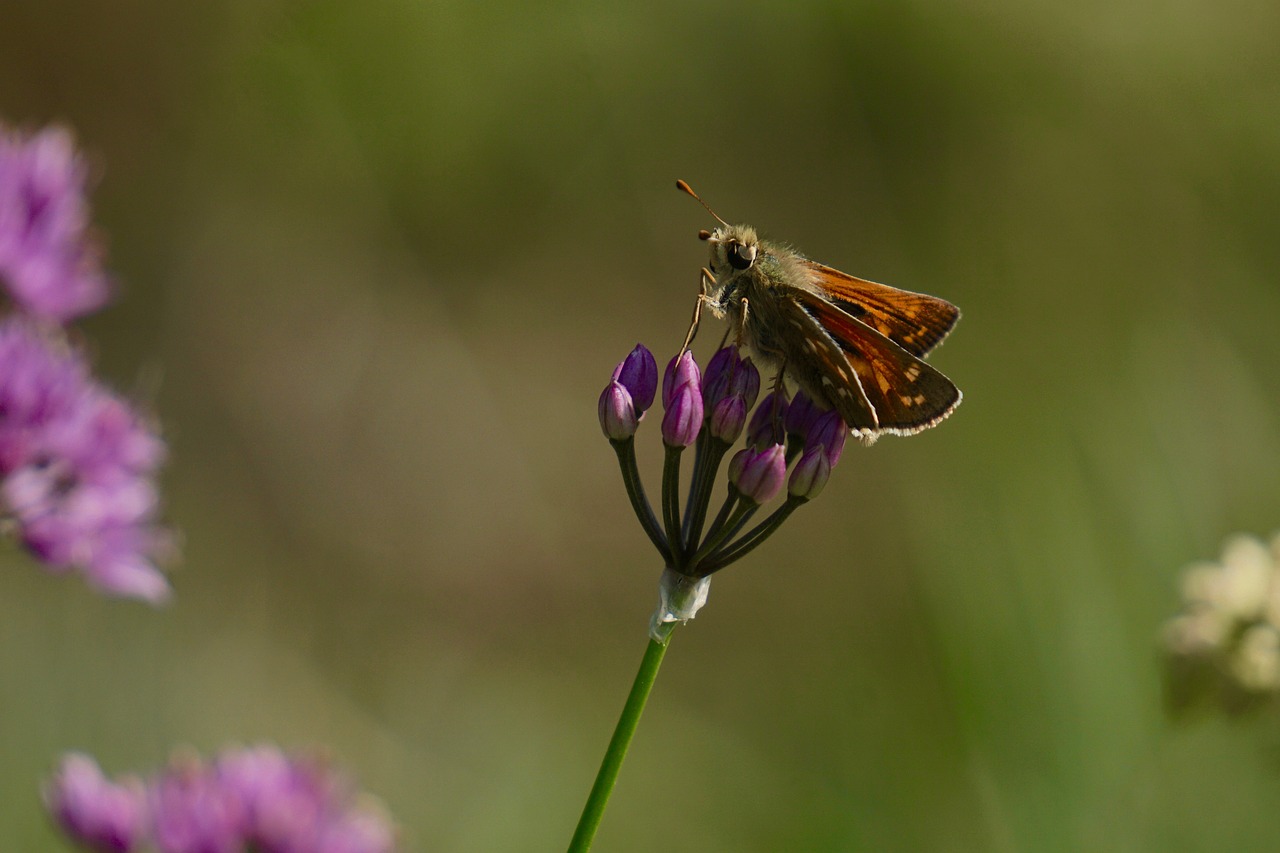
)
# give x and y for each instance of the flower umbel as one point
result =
(709, 413)
(1225, 644)
(257, 799)
(77, 462)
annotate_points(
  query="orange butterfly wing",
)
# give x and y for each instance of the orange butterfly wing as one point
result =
(906, 393)
(916, 322)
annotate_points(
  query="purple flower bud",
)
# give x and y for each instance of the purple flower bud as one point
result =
(729, 375)
(683, 420)
(638, 373)
(766, 422)
(618, 416)
(801, 414)
(746, 382)
(680, 370)
(49, 262)
(728, 418)
(828, 431)
(810, 474)
(97, 813)
(759, 474)
(715, 381)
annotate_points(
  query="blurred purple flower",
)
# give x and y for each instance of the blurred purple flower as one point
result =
(358, 830)
(101, 815)
(192, 813)
(256, 799)
(49, 262)
(77, 467)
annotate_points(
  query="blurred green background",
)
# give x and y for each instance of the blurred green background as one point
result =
(378, 261)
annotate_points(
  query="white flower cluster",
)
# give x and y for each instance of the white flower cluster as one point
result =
(1231, 615)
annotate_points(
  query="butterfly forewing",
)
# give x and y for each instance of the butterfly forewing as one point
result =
(905, 393)
(914, 321)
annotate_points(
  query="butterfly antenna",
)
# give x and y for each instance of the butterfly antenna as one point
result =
(683, 187)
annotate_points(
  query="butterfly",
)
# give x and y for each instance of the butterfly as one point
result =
(853, 345)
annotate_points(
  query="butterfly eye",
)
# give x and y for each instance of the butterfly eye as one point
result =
(741, 255)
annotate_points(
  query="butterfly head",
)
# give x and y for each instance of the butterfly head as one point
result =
(734, 248)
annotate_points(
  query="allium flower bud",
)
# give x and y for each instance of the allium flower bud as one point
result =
(102, 815)
(828, 430)
(810, 474)
(746, 382)
(766, 422)
(683, 420)
(759, 474)
(728, 374)
(638, 373)
(801, 414)
(728, 418)
(680, 370)
(618, 416)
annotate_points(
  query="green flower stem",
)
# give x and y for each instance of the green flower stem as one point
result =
(699, 460)
(730, 501)
(617, 750)
(626, 450)
(740, 521)
(671, 504)
(715, 540)
(758, 534)
(704, 480)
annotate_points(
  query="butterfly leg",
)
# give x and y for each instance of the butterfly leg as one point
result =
(779, 396)
(703, 290)
(741, 331)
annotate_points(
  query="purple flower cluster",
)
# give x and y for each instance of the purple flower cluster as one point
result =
(709, 413)
(77, 467)
(77, 462)
(245, 799)
(49, 262)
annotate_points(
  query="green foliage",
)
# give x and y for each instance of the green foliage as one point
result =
(379, 250)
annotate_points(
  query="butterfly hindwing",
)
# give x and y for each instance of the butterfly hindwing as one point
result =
(817, 361)
(906, 393)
